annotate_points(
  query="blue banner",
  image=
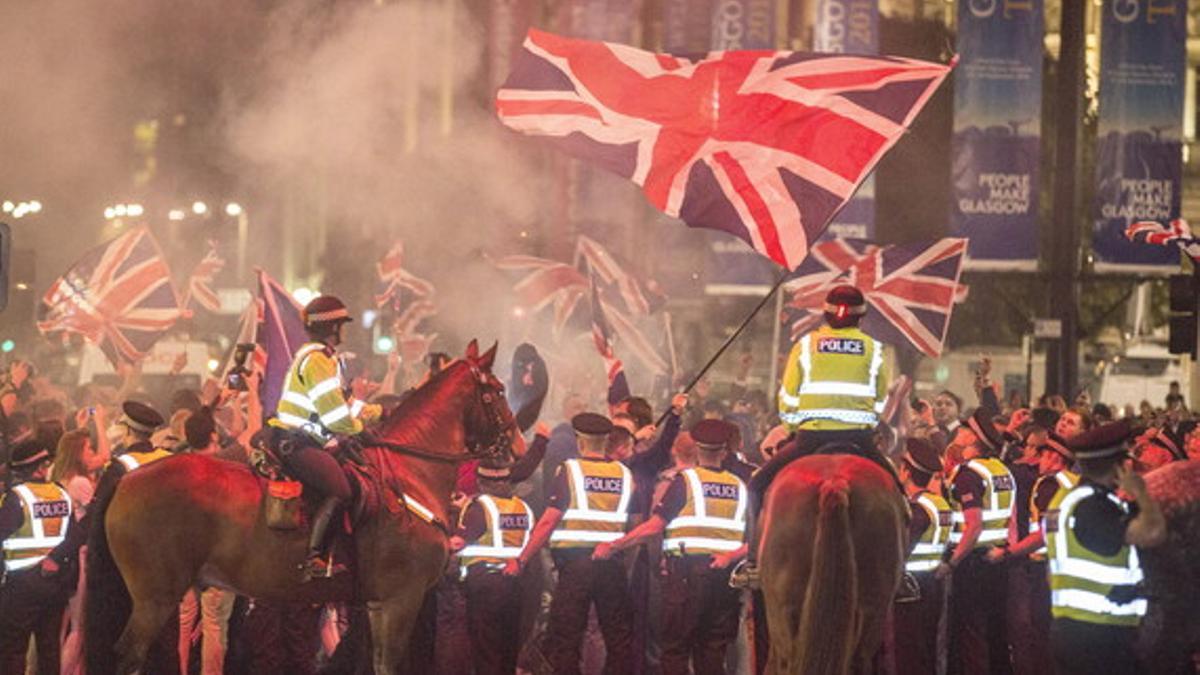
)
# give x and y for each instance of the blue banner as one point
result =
(687, 26)
(1139, 157)
(743, 24)
(997, 131)
(850, 27)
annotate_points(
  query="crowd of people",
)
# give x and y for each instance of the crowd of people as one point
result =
(643, 518)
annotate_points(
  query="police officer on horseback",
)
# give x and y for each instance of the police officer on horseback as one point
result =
(313, 412)
(834, 388)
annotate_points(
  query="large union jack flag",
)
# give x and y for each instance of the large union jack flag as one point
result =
(118, 296)
(910, 289)
(764, 145)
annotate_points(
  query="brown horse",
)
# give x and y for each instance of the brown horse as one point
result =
(191, 519)
(831, 557)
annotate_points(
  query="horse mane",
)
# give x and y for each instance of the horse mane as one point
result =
(422, 412)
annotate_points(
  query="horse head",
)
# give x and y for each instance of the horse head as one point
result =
(489, 423)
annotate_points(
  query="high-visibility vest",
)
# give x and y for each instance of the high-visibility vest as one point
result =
(999, 495)
(713, 520)
(312, 399)
(1066, 480)
(600, 494)
(132, 460)
(932, 544)
(1080, 580)
(834, 380)
(47, 509)
(509, 522)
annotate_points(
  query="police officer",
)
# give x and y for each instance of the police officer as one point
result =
(1029, 585)
(916, 615)
(702, 518)
(834, 387)
(982, 494)
(493, 529)
(588, 504)
(312, 411)
(35, 516)
(138, 422)
(1090, 535)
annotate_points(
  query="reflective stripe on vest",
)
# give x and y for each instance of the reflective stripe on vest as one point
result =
(133, 460)
(301, 399)
(1081, 580)
(712, 520)
(999, 491)
(847, 396)
(47, 509)
(929, 549)
(1066, 481)
(600, 494)
(509, 523)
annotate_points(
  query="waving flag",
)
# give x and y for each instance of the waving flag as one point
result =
(395, 278)
(280, 334)
(601, 333)
(766, 146)
(910, 289)
(200, 284)
(118, 296)
(1178, 232)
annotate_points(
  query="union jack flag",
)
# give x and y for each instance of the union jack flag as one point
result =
(910, 289)
(118, 296)
(395, 278)
(766, 146)
(200, 283)
(1177, 232)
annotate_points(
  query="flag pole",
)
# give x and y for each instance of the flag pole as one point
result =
(730, 340)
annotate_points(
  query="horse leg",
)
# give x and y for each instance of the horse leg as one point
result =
(145, 624)
(392, 623)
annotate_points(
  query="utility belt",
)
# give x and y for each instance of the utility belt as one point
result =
(478, 568)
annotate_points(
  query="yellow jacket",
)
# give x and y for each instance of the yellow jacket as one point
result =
(312, 398)
(835, 378)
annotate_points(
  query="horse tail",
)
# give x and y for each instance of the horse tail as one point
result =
(828, 621)
(106, 601)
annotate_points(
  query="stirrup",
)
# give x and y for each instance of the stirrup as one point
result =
(320, 567)
(745, 576)
(909, 590)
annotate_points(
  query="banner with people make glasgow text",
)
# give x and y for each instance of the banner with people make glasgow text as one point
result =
(1138, 154)
(997, 131)
(850, 27)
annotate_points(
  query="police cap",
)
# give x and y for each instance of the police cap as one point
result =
(1055, 443)
(846, 296)
(140, 417)
(712, 434)
(923, 455)
(981, 423)
(1106, 440)
(29, 453)
(591, 424)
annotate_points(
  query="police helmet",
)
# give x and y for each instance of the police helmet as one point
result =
(845, 300)
(324, 314)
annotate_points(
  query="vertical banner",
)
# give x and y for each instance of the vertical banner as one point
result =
(687, 26)
(1138, 155)
(508, 21)
(850, 27)
(732, 267)
(997, 132)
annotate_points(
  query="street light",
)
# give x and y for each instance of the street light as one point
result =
(199, 208)
(233, 209)
(134, 210)
(175, 214)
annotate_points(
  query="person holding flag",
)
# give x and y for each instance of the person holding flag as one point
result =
(312, 413)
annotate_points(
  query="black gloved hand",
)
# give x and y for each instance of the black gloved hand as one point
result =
(1124, 594)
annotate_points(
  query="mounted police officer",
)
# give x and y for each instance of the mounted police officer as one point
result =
(35, 516)
(834, 388)
(1091, 534)
(313, 411)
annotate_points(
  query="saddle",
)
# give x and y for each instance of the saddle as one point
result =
(288, 507)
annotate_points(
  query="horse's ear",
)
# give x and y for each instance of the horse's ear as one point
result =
(473, 350)
(489, 357)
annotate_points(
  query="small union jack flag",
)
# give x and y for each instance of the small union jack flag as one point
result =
(910, 289)
(764, 145)
(1177, 232)
(200, 284)
(118, 296)
(395, 278)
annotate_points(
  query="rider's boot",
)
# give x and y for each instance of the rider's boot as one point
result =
(745, 575)
(319, 561)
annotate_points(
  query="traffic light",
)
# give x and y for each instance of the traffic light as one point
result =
(1182, 321)
(5, 245)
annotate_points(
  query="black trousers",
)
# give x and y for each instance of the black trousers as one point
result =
(31, 606)
(1029, 618)
(915, 628)
(700, 616)
(494, 620)
(316, 468)
(1085, 648)
(808, 442)
(583, 582)
(978, 639)
(286, 637)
